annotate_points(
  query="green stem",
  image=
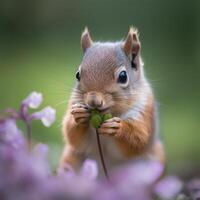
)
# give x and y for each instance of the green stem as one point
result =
(101, 155)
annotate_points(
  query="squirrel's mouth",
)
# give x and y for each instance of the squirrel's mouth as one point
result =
(104, 110)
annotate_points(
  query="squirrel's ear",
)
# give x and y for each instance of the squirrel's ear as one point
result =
(86, 40)
(131, 45)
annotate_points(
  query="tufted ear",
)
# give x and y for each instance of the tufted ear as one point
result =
(131, 45)
(86, 40)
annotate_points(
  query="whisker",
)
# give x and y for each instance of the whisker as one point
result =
(60, 103)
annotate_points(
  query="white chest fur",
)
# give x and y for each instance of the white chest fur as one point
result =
(112, 155)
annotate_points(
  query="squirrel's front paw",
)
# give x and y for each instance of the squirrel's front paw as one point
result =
(111, 127)
(81, 113)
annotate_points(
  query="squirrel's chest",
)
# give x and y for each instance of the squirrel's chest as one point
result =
(112, 154)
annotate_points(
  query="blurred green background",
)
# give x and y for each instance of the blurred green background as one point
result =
(40, 51)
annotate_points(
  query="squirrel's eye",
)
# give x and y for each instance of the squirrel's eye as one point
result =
(122, 78)
(78, 76)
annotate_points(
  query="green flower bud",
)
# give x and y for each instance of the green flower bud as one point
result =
(96, 120)
(106, 116)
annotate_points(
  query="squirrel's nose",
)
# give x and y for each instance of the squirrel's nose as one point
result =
(94, 100)
(95, 103)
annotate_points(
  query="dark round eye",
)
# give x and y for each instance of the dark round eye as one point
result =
(122, 78)
(78, 76)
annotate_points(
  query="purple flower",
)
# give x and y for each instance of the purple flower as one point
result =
(47, 116)
(140, 172)
(194, 184)
(78, 184)
(66, 172)
(169, 187)
(133, 181)
(41, 150)
(196, 195)
(33, 100)
(10, 134)
(89, 169)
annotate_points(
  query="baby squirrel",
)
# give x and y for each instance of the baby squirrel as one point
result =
(111, 79)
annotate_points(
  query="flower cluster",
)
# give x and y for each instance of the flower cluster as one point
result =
(25, 173)
(8, 120)
(47, 115)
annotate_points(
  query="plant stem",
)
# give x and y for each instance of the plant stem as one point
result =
(101, 155)
(28, 127)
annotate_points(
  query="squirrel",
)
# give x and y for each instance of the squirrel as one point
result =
(111, 79)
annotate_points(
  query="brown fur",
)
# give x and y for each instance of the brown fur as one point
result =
(135, 135)
(75, 132)
(70, 157)
(157, 152)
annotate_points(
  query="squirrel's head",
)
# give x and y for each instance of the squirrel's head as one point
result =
(110, 73)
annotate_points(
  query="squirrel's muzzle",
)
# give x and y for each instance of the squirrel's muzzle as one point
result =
(94, 99)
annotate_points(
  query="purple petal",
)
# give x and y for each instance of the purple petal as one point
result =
(169, 187)
(41, 150)
(33, 100)
(89, 169)
(196, 195)
(194, 184)
(8, 129)
(140, 172)
(66, 172)
(147, 172)
(134, 181)
(47, 116)
(10, 134)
